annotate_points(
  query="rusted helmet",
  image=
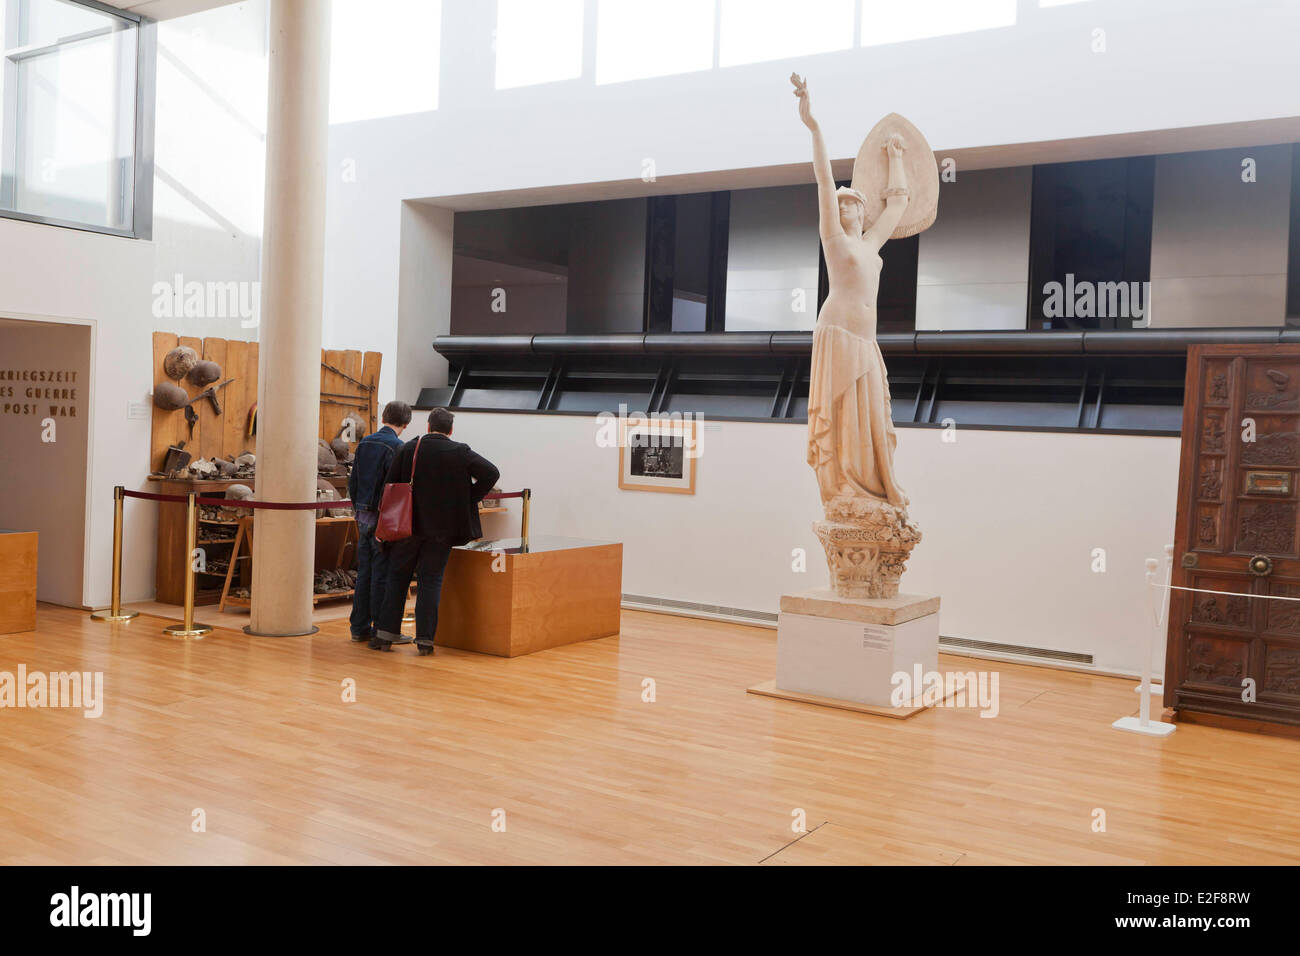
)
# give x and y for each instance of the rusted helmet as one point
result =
(178, 362)
(239, 493)
(203, 374)
(169, 397)
(325, 458)
(327, 492)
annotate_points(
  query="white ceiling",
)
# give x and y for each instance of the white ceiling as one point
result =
(167, 9)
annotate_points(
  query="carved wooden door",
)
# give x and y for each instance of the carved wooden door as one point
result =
(1237, 534)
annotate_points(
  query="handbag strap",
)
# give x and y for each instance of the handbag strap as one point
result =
(415, 456)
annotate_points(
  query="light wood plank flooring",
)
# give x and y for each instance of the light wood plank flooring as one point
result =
(254, 732)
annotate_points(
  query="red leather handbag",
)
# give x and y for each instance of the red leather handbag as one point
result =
(395, 507)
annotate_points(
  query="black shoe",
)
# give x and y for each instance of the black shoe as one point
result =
(362, 638)
(424, 650)
(378, 644)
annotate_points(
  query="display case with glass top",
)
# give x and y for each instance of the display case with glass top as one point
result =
(513, 596)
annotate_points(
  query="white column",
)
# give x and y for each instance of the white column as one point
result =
(288, 372)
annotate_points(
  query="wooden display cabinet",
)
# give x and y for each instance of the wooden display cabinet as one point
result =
(336, 547)
(218, 539)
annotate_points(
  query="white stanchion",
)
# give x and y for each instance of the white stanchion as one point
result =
(1158, 600)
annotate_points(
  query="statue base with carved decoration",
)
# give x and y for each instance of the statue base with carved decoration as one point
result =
(846, 646)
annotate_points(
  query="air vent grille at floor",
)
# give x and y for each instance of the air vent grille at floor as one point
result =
(1043, 653)
(956, 645)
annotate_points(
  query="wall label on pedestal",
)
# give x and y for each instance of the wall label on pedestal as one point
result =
(877, 638)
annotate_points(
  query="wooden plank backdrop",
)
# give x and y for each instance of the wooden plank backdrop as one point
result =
(226, 435)
(241, 365)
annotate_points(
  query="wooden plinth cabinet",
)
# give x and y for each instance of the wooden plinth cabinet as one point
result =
(1237, 534)
(509, 597)
(18, 551)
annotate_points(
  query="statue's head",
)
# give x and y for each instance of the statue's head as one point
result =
(853, 210)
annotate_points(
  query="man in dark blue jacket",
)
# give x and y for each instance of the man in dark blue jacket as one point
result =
(370, 466)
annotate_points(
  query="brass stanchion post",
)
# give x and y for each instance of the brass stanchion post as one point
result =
(115, 612)
(523, 531)
(189, 628)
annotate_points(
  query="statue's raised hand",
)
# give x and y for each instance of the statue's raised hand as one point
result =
(805, 106)
(896, 145)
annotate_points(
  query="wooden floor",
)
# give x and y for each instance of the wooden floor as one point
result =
(254, 732)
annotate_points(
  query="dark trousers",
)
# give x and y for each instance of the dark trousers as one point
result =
(372, 576)
(426, 558)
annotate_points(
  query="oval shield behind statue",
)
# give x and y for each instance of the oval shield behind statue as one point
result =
(871, 175)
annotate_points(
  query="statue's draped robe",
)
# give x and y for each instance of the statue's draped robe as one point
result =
(851, 436)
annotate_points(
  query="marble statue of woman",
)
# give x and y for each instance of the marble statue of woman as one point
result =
(851, 440)
(851, 436)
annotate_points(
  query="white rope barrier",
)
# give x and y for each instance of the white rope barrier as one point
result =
(1270, 597)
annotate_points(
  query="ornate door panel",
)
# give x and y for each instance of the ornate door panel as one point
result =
(1238, 534)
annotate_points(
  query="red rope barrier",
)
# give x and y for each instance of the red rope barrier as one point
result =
(274, 505)
(242, 502)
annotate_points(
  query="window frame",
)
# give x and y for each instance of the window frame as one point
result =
(141, 210)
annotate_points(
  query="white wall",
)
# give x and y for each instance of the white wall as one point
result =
(424, 301)
(1010, 522)
(1218, 243)
(69, 276)
(207, 225)
(1166, 64)
(972, 269)
(209, 158)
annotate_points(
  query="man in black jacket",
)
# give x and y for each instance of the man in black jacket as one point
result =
(449, 481)
(374, 456)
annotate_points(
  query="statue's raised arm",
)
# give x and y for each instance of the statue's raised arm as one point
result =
(827, 205)
(895, 195)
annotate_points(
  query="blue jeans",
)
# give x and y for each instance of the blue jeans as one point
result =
(426, 558)
(372, 576)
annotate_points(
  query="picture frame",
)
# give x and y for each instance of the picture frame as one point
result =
(657, 454)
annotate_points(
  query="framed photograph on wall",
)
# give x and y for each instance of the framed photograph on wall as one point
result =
(657, 455)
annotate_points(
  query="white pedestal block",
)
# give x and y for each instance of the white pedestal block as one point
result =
(850, 648)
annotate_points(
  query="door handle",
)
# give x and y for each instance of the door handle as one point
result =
(1261, 565)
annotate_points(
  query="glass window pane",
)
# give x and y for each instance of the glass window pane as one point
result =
(756, 30)
(538, 41)
(577, 268)
(69, 113)
(691, 251)
(636, 40)
(888, 21)
(772, 259)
